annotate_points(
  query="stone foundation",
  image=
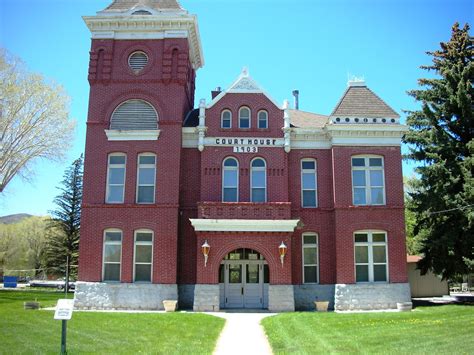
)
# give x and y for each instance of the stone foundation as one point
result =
(206, 298)
(186, 296)
(99, 295)
(281, 298)
(355, 297)
(305, 295)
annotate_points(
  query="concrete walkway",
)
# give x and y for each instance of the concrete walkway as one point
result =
(242, 334)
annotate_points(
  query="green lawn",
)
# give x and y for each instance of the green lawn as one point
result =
(29, 331)
(439, 330)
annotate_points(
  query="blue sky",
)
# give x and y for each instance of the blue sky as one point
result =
(309, 45)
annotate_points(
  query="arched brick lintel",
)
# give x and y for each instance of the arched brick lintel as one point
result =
(265, 243)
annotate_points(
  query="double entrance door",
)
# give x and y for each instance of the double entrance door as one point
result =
(244, 285)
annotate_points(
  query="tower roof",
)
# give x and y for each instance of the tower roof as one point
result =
(359, 101)
(159, 5)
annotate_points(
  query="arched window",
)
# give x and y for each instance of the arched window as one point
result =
(226, 119)
(112, 255)
(244, 117)
(258, 180)
(134, 115)
(230, 180)
(263, 119)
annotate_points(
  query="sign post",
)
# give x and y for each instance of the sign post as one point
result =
(63, 312)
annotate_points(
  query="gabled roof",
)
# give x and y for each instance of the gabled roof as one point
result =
(244, 84)
(359, 101)
(302, 119)
(159, 5)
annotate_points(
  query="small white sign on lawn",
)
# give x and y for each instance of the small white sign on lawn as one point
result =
(64, 309)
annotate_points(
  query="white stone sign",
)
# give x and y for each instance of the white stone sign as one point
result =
(64, 309)
(245, 149)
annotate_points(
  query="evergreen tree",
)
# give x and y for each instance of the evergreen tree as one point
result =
(441, 139)
(63, 238)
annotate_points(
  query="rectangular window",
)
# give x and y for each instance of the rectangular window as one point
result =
(116, 178)
(143, 256)
(112, 255)
(368, 181)
(146, 178)
(370, 249)
(310, 258)
(308, 183)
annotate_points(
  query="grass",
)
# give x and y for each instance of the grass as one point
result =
(28, 331)
(439, 330)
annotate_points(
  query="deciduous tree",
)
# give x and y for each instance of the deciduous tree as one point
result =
(34, 120)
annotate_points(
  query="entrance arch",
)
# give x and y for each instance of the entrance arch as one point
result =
(244, 277)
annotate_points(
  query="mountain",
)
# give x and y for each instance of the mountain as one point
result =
(14, 218)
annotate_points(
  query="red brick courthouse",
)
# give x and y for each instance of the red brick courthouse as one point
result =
(239, 203)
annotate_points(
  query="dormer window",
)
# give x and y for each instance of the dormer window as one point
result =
(244, 117)
(137, 61)
(141, 12)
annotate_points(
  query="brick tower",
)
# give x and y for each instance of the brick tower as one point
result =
(143, 60)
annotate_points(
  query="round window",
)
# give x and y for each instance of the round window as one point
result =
(137, 61)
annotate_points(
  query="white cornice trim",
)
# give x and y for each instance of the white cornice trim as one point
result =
(172, 25)
(244, 225)
(141, 135)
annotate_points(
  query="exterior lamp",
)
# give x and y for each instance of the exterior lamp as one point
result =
(205, 251)
(282, 249)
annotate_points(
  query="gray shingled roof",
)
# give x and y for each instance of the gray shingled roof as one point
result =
(302, 119)
(123, 5)
(360, 101)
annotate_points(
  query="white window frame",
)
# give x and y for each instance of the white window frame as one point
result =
(138, 177)
(370, 244)
(367, 168)
(124, 166)
(303, 246)
(104, 244)
(135, 243)
(266, 119)
(309, 171)
(250, 117)
(222, 119)
(252, 169)
(236, 169)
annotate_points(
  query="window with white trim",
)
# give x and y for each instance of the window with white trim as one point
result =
(310, 258)
(230, 180)
(134, 115)
(244, 117)
(116, 178)
(112, 255)
(262, 119)
(370, 249)
(226, 119)
(309, 196)
(146, 177)
(368, 186)
(143, 256)
(258, 180)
